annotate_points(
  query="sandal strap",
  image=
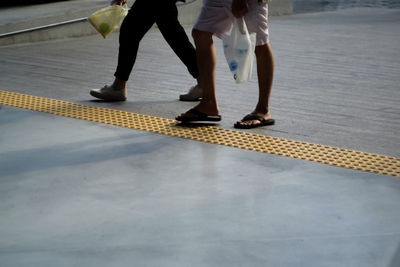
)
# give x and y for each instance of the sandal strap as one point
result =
(253, 117)
(197, 112)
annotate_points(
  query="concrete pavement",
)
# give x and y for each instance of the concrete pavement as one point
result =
(75, 193)
(336, 79)
(78, 193)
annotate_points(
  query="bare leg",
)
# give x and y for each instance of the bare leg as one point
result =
(265, 73)
(206, 61)
(119, 84)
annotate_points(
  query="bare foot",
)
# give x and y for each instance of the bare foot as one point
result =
(193, 115)
(202, 110)
(254, 120)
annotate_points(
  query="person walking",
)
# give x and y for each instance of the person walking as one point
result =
(215, 19)
(141, 17)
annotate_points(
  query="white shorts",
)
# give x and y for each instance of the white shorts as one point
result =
(216, 17)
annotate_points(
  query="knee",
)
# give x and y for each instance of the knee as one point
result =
(195, 34)
(129, 36)
(201, 38)
(123, 31)
(263, 50)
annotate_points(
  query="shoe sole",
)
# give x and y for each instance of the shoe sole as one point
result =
(190, 100)
(108, 99)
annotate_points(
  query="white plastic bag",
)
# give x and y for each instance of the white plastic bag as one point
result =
(106, 20)
(239, 48)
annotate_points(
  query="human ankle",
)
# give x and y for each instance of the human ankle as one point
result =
(208, 107)
(119, 85)
(263, 113)
(261, 109)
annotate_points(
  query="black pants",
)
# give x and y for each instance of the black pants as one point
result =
(141, 17)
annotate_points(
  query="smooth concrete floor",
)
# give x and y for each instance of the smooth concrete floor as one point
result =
(77, 193)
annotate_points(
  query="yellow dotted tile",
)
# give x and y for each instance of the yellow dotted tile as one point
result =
(334, 156)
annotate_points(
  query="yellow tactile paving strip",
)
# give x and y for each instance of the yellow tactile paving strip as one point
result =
(345, 158)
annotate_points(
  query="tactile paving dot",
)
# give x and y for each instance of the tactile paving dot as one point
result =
(334, 156)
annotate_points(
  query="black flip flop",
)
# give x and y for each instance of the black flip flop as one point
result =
(253, 117)
(198, 116)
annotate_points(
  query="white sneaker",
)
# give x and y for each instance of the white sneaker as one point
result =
(195, 93)
(108, 93)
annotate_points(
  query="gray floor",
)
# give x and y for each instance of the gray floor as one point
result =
(76, 193)
(336, 77)
(301, 6)
(13, 18)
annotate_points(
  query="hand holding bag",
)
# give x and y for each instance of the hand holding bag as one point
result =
(106, 20)
(239, 48)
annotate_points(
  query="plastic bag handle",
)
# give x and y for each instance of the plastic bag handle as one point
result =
(241, 25)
